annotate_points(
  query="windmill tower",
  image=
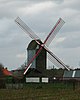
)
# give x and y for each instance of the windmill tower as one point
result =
(40, 62)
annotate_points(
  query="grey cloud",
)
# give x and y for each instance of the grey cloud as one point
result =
(11, 8)
(72, 41)
(14, 41)
(58, 1)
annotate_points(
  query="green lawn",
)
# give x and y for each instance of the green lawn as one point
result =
(41, 92)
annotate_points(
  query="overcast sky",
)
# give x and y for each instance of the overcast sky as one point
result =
(40, 16)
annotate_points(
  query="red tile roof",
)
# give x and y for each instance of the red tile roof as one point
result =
(6, 72)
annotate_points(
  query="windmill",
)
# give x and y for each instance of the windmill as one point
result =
(54, 59)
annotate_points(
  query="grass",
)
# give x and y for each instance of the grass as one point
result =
(41, 92)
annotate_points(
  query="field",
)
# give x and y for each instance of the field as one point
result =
(41, 92)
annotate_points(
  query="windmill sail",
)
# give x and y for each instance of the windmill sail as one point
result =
(54, 31)
(47, 41)
(55, 60)
(25, 28)
(27, 68)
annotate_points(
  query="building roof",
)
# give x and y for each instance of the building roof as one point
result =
(77, 74)
(72, 74)
(6, 72)
(45, 73)
(32, 45)
(68, 73)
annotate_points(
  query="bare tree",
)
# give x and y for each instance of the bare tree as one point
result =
(1, 66)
